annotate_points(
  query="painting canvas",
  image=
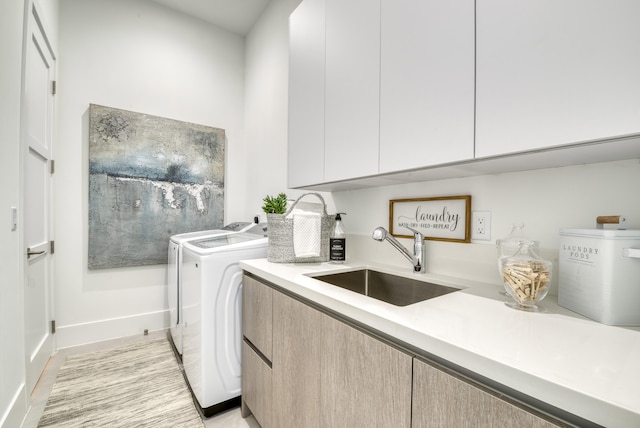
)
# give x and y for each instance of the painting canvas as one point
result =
(149, 178)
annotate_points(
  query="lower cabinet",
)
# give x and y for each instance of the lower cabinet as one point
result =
(257, 332)
(365, 382)
(296, 363)
(257, 315)
(443, 400)
(325, 373)
(256, 387)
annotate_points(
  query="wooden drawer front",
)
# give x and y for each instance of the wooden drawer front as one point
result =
(256, 386)
(257, 315)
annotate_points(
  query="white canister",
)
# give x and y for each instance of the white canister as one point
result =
(599, 274)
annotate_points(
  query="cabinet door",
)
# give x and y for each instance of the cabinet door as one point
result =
(257, 304)
(552, 73)
(296, 363)
(256, 387)
(365, 382)
(442, 400)
(306, 94)
(352, 88)
(426, 83)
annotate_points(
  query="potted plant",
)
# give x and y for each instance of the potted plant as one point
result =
(275, 205)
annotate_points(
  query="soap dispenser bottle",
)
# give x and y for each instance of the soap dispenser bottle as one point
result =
(338, 241)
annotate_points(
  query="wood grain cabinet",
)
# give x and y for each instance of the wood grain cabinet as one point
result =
(365, 382)
(256, 387)
(323, 372)
(257, 315)
(326, 373)
(257, 346)
(443, 400)
(296, 363)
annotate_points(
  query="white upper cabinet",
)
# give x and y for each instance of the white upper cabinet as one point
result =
(552, 73)
(389, 91)
(352, 92)
(306, 94)
(426, 83)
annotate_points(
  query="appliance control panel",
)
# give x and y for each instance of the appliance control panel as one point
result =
(237, 226)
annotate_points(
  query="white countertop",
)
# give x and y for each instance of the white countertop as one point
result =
(586, 368)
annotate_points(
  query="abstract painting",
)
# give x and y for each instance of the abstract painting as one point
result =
(149, 178)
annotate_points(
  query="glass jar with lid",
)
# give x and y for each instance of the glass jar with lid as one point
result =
(526, 277)
(510, 244)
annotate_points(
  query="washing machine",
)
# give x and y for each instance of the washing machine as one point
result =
(212, 305)
(174, 289)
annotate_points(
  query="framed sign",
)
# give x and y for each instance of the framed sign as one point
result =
(445, 218)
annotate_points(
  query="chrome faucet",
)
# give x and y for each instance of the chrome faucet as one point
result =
(419, 253)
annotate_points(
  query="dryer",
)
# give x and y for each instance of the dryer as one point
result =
(212, 303)
(174, 290)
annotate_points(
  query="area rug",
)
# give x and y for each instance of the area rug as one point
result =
(138, 385)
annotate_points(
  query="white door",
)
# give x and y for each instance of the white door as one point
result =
(37, 136)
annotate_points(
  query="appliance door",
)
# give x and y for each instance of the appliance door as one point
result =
(221, 324)
(228, 311)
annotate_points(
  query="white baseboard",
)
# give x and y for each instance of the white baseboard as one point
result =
(98, 331)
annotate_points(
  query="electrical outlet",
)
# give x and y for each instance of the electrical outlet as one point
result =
(481, 225)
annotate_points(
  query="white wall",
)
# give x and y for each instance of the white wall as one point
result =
(544, 200)
(140, 56)
(12, 399)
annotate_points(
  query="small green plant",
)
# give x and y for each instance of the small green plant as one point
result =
(275, 205)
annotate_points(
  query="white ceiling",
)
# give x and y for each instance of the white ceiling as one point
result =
(237, 16)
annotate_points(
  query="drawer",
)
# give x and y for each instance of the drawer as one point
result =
(256, 386)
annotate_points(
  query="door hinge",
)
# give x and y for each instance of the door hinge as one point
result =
(53, 326)
(52, 247)
(54, 87)
(52, 166)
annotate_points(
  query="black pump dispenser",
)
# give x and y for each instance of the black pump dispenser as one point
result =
(338, 241)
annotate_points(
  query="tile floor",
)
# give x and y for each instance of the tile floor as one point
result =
(228, 419)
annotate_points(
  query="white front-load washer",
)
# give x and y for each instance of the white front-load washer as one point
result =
(174, 260)
(212, 303)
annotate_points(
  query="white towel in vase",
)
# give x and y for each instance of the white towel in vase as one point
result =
(307, 235)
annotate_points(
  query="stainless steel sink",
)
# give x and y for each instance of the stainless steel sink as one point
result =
(397, 290)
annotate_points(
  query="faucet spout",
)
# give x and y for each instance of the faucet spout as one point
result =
(417, 259)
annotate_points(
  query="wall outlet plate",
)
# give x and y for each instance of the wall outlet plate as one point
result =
(481, 225)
